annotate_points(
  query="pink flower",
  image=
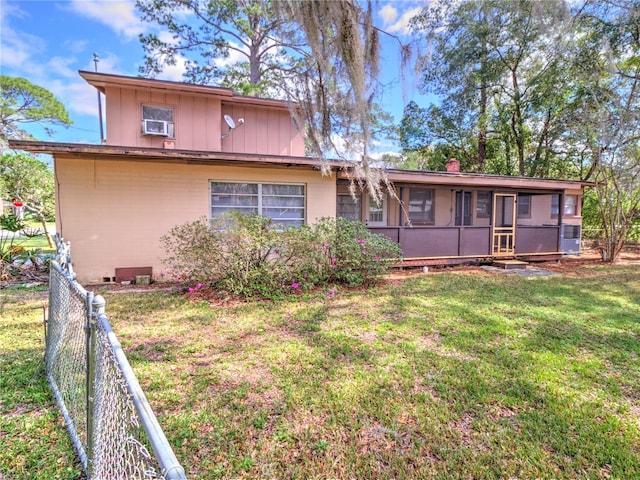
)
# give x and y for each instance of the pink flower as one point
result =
(364, 252)
(377, 258)
(295, 285)
(333, 266)
(305, 275)
(326, 245)
(198, 286)
(191, 290)
(333, 260)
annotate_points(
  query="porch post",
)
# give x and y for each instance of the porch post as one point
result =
(560, 214)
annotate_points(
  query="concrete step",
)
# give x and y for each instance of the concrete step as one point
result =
(510, 264)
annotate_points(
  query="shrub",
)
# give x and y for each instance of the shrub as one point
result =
(354, 255)
(250, 256)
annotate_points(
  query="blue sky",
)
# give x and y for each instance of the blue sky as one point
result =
(47, 42)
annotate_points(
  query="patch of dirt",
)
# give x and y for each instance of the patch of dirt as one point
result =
(433, 342)
(377, 438)
(568, 266)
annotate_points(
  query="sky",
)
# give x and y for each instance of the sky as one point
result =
(48, 41)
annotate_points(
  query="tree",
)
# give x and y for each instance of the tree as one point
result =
(213, 31)
(322, 56)
(499, 67)
(25, 178)
(23, 102)
(607, 115)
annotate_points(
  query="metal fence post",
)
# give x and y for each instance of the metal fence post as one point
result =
(95, 306)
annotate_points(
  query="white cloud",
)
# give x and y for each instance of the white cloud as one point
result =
(175, 72)
(16, 48)
(119, 15)
(402, 25)
(234, 56)
(388, 13)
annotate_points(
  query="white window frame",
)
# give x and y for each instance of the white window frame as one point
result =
(570, 206)
(260, 196)
(383, 205)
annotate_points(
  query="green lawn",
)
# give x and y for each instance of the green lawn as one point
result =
(450, 375)
(33, 439)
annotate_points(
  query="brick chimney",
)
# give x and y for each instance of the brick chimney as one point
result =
(453, 165)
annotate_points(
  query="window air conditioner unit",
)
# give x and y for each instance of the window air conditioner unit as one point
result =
(155, 127)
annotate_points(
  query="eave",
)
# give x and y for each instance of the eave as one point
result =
(460, 179)
(137, 154)
(102, 80)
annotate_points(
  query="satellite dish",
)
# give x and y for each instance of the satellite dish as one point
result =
(230, 122)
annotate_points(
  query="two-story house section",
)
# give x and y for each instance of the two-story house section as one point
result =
(175, 152)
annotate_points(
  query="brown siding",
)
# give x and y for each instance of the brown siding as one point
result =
(199, 125)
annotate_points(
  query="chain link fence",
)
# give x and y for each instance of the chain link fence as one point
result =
(107, 414)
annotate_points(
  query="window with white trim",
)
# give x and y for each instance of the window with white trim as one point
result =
(570, 205)
(377, 211)
(283, 203)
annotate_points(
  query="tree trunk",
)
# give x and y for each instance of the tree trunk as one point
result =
(482, 122)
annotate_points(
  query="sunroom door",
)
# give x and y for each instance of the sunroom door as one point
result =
(503, 234)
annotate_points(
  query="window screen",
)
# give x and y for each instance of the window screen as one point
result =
(420, 206)
(348, 207)
(283, 203)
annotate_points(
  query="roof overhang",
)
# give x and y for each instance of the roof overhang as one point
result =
(137, 154)
(196, 157)
(103, 80)
(459, 179)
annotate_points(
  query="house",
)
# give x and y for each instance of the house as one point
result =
(175, 152)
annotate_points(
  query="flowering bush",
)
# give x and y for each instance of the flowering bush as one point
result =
(250, 256)
(354, 255)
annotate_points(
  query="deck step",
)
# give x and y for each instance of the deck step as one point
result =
(510, 264)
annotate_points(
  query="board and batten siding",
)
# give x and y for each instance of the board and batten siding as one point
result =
(199, 124)
(132, 204)
(265, 131)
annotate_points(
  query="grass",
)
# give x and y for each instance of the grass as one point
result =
(450, 375)
(34, 440)
(35, 242)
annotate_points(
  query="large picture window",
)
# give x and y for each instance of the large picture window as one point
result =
(283, 203)
(420, 209)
